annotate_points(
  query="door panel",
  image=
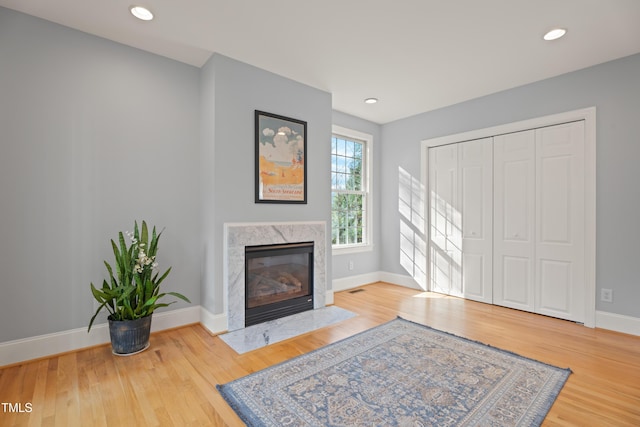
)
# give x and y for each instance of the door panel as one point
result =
(560, 221)
(514, 220)
(555, 198)
(444, 230)
(516, 282)
(555, 282)
(475, 166)
(473, 273)
(516, 205)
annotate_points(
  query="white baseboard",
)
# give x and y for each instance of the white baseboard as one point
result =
(328, 298)
(214, 323)
(400, 279)
(618, 323)
(351, 282)
(175, 318)
(61, 342)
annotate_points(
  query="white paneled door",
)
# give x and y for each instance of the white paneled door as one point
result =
(514, 216)
(560, 221)
(445, 249)
(539, 229)
(460, 181)
(475, 167)
(507, 220)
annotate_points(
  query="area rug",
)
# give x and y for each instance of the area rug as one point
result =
(399, 373)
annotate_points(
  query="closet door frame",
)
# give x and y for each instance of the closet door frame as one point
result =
(588, 115)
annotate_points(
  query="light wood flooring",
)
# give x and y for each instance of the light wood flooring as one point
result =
(174, 381)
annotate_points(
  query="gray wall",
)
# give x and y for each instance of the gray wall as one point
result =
(367, 261)
(231, 92)
(614, 89)
(93, 135)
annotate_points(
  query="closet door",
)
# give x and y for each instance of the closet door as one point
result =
(539, 185)
(507, 220)
(560, 221)
(514, 220)
(445, 244)
(475, 170)
(460, 187)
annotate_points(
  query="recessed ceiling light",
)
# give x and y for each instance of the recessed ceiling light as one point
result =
(371, 100)
(555, 34)
(141, 13)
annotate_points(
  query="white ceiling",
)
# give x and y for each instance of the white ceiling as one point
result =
(414, 55)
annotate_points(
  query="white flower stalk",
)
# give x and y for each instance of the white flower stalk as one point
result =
(143, 260)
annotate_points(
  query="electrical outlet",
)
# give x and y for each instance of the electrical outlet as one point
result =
(350, 265)
(606, 295)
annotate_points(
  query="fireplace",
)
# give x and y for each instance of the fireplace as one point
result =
(278, 281)
(237, 236)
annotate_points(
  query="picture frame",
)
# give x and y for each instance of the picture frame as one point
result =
(280, 159)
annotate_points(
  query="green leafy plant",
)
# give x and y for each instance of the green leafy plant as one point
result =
(133, 288)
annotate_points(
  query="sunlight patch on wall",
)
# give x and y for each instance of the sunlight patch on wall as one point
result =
(411, 200)
(413, 243)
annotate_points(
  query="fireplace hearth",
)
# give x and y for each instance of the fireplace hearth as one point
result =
(278, 281)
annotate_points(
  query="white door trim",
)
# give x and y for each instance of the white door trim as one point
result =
(589, 117)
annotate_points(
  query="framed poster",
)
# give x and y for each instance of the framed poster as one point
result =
(281, 159)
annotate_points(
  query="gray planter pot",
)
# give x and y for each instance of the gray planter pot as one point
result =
(129, 336)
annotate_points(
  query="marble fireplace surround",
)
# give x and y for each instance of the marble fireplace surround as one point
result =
(239, 235)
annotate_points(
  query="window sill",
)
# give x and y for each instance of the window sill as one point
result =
(342, 250)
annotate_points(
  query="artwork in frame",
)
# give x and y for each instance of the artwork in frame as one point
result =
(281, 159)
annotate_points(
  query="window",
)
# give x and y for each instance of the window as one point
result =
(350, 182)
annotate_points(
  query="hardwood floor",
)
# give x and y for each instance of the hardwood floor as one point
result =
(173, 383)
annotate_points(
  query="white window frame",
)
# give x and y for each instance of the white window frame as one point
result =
(367, 185)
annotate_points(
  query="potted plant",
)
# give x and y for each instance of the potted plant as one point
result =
(132, 292)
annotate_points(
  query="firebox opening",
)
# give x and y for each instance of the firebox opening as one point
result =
(278, 281)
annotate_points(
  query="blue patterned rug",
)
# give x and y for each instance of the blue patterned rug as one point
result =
(399, 373)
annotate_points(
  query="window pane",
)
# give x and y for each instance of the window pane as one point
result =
(340, 147)
(355, 180)
(347, 226)
(347, 177)
(350, 148)
(356, 202)
(334, 227)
